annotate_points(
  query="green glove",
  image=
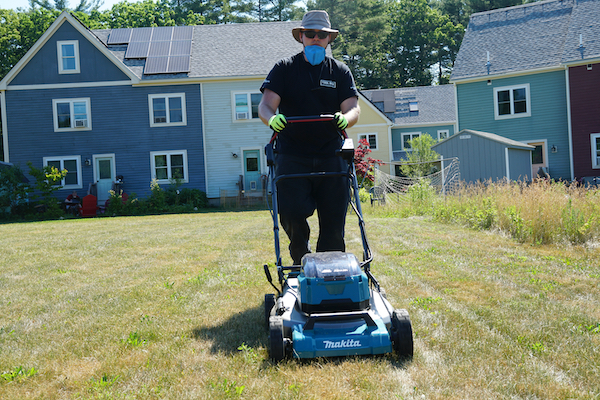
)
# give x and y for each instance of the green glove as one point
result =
(340, 121)
(277, 122)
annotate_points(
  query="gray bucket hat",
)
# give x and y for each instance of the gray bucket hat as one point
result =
(317, 20)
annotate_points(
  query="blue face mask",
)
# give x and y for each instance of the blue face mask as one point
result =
(314, 54)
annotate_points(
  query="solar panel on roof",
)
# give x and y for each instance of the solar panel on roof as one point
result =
(183, 32)
(179, 64)
(141, 35)
(119, 36)
(156, 65)
(158, 49)
(161, 33)
(137, 50)
(181, 48)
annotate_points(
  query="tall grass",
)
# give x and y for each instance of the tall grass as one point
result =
(541, 212)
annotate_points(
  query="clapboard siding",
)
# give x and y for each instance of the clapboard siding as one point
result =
(120, 124)
(548, 120)
(43, 67)
(224, 136)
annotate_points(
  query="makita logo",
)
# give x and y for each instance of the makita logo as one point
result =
(341, 344)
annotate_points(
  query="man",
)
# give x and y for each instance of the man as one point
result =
(307, 84)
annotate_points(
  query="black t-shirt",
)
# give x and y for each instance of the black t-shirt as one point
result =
(308, 90)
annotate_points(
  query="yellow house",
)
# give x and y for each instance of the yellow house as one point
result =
(376, 127)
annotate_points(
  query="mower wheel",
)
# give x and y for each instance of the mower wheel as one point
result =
(402, 337)
(269, 304)
(276, 339)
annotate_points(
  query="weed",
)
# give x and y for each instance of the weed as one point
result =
(249, 353)
(18, 374)
(134, 340)
(228, 388)
(424, 303)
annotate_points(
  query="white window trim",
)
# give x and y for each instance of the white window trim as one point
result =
(411, 137)
(234, 116)
(510, 90)
(366, 136)
(88, 111)
(166, 96)
(447, 131)
(62, 159)
(595, 162)
(75, 44)
(169, 153)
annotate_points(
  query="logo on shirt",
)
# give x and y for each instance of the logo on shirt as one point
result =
(329, 84)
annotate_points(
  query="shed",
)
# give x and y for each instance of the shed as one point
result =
(484, 156)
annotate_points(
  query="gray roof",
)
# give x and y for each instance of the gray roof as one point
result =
(436, 104)
(537, 35)
(491, 136)
(222, 51)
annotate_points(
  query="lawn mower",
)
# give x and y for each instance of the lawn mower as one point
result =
(331, 305)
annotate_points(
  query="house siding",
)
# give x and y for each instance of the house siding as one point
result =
(584, 90)
(224, 136)
(120, 125)
(43, 67)
(548, 120)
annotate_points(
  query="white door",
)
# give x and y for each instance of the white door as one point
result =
(538, 158)
(104, 173)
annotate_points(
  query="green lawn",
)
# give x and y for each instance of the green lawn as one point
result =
(170, 307)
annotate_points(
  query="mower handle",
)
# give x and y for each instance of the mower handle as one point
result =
(310, 118)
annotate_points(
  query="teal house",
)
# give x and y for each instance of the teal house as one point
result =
(512, 76)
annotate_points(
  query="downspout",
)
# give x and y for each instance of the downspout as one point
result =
(507, 164)
(569, 129)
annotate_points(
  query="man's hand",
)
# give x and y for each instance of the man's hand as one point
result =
(340, 121)
(277, 122)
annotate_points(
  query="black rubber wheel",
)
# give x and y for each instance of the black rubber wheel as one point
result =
(269, 304)
(276, 339)
(402, 337)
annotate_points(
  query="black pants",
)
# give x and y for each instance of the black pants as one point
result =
(299, 197)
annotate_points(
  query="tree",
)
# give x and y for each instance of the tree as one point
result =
(276, 10)
(420, 38)
(420, 157)
(85, 6)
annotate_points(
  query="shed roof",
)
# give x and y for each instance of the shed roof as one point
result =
(537, 35)
(490, 136)
(434, 104)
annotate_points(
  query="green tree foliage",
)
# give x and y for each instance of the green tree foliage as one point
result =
(146, 13)
(85, 6)
(12, 188)
(419, 158)
(421, 37)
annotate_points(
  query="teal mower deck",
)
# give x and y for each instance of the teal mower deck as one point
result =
(331, 305)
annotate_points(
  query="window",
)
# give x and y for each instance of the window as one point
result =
(73, 166)
(167, 165)
(443, 134)
(68, 57)
(72, 114)
(406, 137)
(167, 109)
(595, 150)
(512, 102)
(246, 105)
(371, 138)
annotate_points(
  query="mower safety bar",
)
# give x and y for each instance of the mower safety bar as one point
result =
(327, 317)
(311, 118)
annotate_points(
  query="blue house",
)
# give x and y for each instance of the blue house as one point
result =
(416, 111)
(143, 104)
(512, 76)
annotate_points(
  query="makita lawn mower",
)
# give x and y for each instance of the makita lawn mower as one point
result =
(331, 305)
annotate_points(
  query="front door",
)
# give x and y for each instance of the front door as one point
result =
(538, 158)
(252, 181)
(104, 173)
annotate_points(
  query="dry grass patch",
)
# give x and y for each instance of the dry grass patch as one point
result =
(170, 307)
